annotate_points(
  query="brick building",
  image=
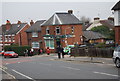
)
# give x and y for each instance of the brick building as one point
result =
(116, 9)
(61, 29)
(13, 34)
(93, 37)
(34, 34)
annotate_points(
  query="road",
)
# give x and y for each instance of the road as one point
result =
(49, 67)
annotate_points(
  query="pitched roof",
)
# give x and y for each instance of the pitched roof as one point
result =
(106, 23)
(62, 19)
(84, 27)
(15, 28)
(117, 6)
(92, 35)
(36, 26)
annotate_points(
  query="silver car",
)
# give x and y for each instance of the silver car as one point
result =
(116, 57)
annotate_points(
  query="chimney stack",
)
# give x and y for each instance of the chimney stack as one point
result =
(8, 22)
(31, 22)
(8, 25)
(96, 18)
(70, 11)
(19, 22)
(111, 18)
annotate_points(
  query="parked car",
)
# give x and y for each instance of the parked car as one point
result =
(116, 56)
(10, 54)
(1, 53)
(67, 50)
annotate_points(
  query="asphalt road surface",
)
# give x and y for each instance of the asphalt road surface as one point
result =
(49, 67)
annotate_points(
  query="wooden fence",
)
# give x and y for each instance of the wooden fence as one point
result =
(93, 52)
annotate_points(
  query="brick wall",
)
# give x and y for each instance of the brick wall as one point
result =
(33, 39)
(21, 37)
(117, 35)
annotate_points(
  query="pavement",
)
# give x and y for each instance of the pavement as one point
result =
(85, 59)
(66, 58)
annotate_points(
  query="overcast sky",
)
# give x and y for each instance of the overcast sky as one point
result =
(26, 10)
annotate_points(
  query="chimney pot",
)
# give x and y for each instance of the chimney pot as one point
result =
(31, 22)
(19, 22)
(70, 11)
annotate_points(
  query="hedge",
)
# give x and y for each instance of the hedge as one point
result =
(17, 49)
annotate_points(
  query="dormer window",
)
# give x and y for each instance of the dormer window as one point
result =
(57, 30)
(34, 34)
(47, 30)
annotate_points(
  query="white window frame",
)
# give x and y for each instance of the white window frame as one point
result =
(6, 39)
(34, 34)
(49, 42)
(33, 45)
(57, 29)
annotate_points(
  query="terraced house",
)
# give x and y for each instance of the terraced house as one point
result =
(61, 29)
(116, 9)
(34, 34)
(13, 34)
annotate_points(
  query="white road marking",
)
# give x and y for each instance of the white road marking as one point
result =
(3, 67)
(71, 68)
(106, 74)
(23, 75)
(8, 73)
(19, 62)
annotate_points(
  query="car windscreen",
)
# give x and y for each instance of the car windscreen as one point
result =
(117, 49)
(9, 52)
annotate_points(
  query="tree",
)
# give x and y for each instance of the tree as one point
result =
(104, 31)
(85, 20)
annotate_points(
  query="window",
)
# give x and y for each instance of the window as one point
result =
(34, 34)
(35, 44)
(47, 30)
(13, 39)
(9, 38)
(57, 30)
(6, 38)
(72, 29)
(49, 43)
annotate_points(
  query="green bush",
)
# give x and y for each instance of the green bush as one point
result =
(101, 45)
(17, 49)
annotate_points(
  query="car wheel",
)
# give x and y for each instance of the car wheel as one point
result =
(117, 63)
(4, 56)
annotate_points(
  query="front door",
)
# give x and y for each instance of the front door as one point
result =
(58, 43)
